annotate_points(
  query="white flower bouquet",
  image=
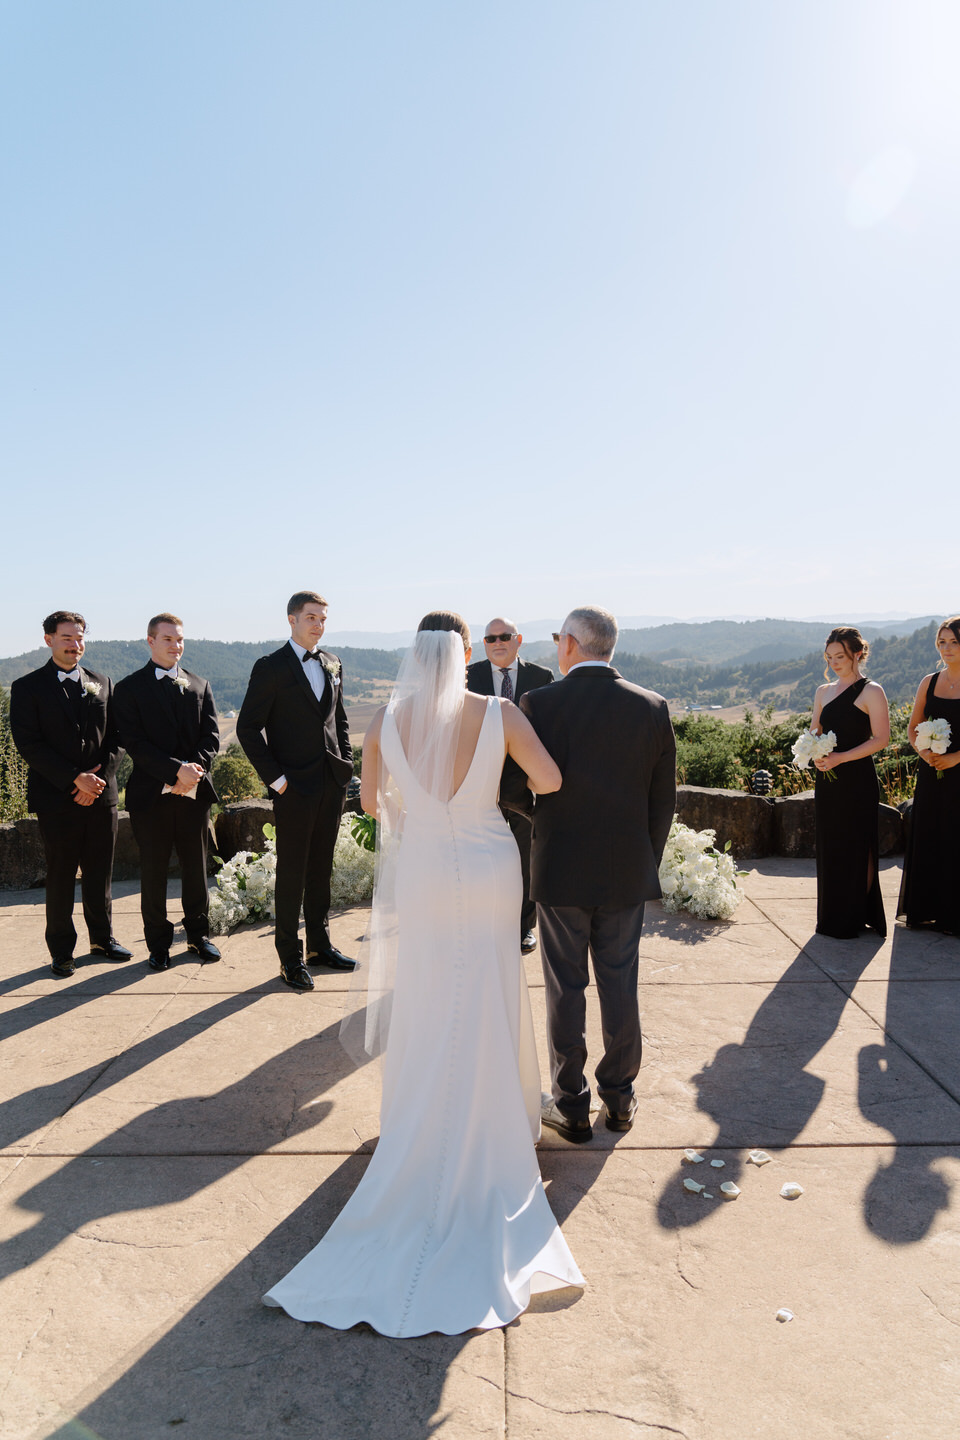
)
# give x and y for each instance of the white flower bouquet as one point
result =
(810, 746)
(696, 876)
(246, 884)
(934, 735)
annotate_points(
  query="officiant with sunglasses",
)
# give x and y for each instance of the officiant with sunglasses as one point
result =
(294, 730)
(503, 673)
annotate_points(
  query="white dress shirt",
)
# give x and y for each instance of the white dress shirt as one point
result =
(498, 673)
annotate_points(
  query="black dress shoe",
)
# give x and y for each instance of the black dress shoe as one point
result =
(621, 1119)
(207, 951)
(62, 964)
(159, 960)
(528, 942)
(112, 950)
(297, 976)
(576, 1130)
(333, 959)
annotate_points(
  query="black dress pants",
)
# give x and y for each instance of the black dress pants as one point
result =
(306, 828)
(611, 934)
(522, 827)
(78, 837)
(172, 823)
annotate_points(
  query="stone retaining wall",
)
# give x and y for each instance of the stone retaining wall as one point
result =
(754, 826)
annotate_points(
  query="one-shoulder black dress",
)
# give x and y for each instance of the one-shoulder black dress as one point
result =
(930, 890)
(848, 828)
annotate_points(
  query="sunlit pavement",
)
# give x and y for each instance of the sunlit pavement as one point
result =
(171, 1144)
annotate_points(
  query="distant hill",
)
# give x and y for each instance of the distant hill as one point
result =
(718, 662)
(226, 664)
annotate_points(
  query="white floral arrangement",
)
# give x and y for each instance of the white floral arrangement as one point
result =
(246, 884)
(182, 683)
(934, 735)
(810, 746)
(696, 876)
(91, 687)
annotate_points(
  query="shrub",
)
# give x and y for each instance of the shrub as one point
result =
(235, 778)
(707, 752)
(13, 768)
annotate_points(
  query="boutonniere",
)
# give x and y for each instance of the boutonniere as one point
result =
(182, 683)
(332, 667)
(91, 687)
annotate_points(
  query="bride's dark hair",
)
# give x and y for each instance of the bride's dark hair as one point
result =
(447, 620)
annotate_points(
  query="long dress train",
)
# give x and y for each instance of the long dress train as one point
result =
(930, 889)
(848, 828)
(449, 1228)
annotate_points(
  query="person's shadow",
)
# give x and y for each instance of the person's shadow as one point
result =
(759, 1094)
(921, 1027)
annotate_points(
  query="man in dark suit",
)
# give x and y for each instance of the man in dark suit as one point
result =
(294, 729)
(597, 844)
(61, 719)
(168, 725)
(504, 673)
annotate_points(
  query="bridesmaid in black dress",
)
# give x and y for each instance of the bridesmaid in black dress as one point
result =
(847, 805)
(930, 892)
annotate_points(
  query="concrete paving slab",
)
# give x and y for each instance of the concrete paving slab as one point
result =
(674, 949)
(777, 876)
(922, 1018)
(235, 1074)
(139, 1287)
(54, 1050)
(676, 1330)
(925, 954)
(785, 1070)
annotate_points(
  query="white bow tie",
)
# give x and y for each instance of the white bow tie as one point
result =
(68, 675)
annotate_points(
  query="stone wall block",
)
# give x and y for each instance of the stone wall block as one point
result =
(892, 833)
(22, 862)
(240, 826)
(747, 821)
(795, 826)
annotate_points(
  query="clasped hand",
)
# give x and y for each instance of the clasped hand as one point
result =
(188, 776)
(87, 786)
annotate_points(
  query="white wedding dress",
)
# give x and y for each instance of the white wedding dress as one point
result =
(449, 1228)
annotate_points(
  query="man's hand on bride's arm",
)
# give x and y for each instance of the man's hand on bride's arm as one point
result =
(524, 746)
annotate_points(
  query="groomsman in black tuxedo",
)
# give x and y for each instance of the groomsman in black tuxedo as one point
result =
(597, 844)
(61, 719)
(294, 729)
(504, 673)
(168, 725)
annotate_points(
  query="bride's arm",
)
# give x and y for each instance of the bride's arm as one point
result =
(371, 765)
(524, 746)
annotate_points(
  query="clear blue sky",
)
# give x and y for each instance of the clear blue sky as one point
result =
(498, 307)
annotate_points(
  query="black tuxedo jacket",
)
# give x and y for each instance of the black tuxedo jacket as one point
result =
(55, 746)
(286, 730)
(163, 727)
(514, 794)
(599, 838)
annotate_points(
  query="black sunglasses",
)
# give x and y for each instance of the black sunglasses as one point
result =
(492, 639)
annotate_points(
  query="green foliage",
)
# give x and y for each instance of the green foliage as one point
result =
(707, 752)
(235, 778)
(363, 828)
(13, 768)
(897, 765)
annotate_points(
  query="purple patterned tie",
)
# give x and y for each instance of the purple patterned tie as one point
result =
(506, 685)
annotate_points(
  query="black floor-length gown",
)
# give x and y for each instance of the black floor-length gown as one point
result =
(848, 828)
(930, 890)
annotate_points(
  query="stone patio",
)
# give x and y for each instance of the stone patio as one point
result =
(171, 1144)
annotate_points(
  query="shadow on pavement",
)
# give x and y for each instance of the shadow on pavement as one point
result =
(759, 1094)
(922, 1022)
(232, 1369)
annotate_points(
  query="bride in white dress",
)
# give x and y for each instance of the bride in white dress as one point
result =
(449, 1228)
